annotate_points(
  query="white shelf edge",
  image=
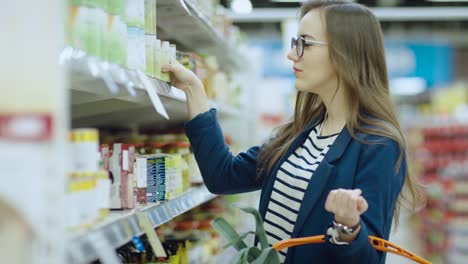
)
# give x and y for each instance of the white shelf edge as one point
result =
(163, 88)
(115, 228)
(79, 67)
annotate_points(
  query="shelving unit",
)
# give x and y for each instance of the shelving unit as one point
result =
(110, 95)
(181, 22)
(121, 226)
(105, 95)
(443, 162)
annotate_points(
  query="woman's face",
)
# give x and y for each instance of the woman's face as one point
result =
(314, 72)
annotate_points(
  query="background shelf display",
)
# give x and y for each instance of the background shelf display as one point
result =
(121, 226)
(96, 102)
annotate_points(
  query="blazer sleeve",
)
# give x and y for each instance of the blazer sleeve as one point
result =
(381, 183)
(222, 172)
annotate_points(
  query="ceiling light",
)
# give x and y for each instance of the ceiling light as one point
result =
(241, 6)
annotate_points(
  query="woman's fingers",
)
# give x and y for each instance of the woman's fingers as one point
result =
(346, 205)
(362, 205)
(330, 202)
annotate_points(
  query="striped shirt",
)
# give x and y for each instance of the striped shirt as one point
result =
(290, 185)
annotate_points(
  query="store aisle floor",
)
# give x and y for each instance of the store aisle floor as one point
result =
(405, 237)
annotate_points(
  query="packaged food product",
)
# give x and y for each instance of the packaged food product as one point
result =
(102, 18)
(163, 174)
(72, 217)
(187, 60)
(103, 189)
(138, 141)
(149, 54)
(156, 147)
(135, 13)
(141, 180)
(136, 58)
(157, 58)
(150, 17)
(173, 51)
(165, 55)
(93, 45)
(89, 205)
(121, 169)
(182, 148)
(77, 25)
(116, 33)
(132, 47)
(84, 149)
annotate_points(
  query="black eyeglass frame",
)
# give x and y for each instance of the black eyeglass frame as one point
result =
(300, 42)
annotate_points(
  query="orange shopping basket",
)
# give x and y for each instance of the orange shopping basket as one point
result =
(378, 243)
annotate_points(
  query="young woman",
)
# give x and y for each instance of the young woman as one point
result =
(339, 166)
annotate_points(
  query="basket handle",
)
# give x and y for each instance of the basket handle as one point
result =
(378, 243)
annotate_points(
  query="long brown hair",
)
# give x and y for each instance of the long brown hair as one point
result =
(356, 51)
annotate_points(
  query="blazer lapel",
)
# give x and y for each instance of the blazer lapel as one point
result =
(320, 178)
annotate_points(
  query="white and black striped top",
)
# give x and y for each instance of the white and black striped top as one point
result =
(290, 184)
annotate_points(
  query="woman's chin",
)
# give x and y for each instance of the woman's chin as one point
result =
(300, 87)
(303, 89)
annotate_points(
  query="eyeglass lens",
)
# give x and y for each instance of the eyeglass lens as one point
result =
(299, 45)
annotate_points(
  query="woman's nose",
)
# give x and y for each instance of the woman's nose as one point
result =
(292, 55)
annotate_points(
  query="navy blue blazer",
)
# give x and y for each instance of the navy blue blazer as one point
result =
(348, 164)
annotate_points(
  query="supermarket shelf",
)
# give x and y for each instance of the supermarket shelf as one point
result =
(181, 22)
(108, 95)
(120, 227)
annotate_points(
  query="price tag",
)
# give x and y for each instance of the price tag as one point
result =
(65, 55)
(184, 5)
(125, 160)
(105, 251)
(106, 76)
(78, 54)
(93, 68)
(148, 85)
(147, 227)
(130, 86)
(179, 94)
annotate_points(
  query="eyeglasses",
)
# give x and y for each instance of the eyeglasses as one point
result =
(300, 42)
